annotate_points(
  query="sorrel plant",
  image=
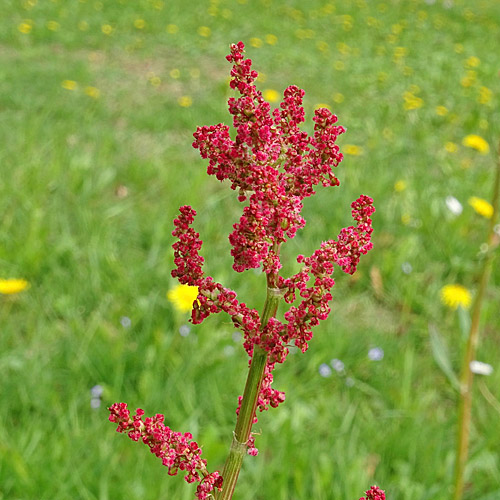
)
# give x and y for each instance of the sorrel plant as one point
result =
(273, 166)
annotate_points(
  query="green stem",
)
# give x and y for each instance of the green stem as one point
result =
(466, 378)
(248, 404)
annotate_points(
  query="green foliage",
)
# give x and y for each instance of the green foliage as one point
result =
(96, 157)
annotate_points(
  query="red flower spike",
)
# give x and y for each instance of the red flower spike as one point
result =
(273, 166)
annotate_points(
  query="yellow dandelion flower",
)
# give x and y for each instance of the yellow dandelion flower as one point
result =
(172, 29)
(12, 286)
(400, 52)
(322, 46)
(485, 95)
(482, 207)
(338, 97)
(182, 297)
(256, 42)
(406, 219)
(53, 25)
(204, 31)
(107, 29)
(441, 110)
(158, 4)
(412, 101)
(69, 84)
(25, 27)
(83, 25)
(92, 92)
(185, 101)
(472, 62)
(271, 39)
(343, 48)
(139, 24)
(351, 149)
(271, 95)
(175, 73)
(476, 142)
(400, 186)
(155, 81)
(469, 80)
(455, 296)
(451, 147)
(339, 65)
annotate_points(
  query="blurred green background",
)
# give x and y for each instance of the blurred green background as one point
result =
(98, 103)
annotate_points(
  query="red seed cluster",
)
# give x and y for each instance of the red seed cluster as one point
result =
(374, 493)
(177, 450)
(273, 165)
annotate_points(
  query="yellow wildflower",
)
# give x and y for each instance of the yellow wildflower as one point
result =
(182, 297)
(256, 42)
(11, 286)
(476, 142)
(83, 25)
(338, 97)
(472, 62)
(322, 46)
(352, 149)
(406, 219)
(271, 39)
(185, 101)
(69, 84)
(26, 26)
(271, 95)
(469, 80)
(172, 29)
(441, 110)
(412, 101)
(451, 147)
(92, 92)
(107, 29)
(53, 25)
(482, 207)
(485, 95)
(155, 81)
(339, 65)
(400, 186)
(455, 296)
(175, 73)
(204, 31)
(139, 24)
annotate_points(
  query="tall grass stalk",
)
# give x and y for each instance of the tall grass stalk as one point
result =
(467, 376)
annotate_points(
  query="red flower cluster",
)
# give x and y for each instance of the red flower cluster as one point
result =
(374, 493)
(272, 161)
(176, 450)
(274, 165)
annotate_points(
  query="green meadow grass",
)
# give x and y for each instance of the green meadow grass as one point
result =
(98, 103)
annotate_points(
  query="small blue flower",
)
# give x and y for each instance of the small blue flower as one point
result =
(376, 354)
(325, 370)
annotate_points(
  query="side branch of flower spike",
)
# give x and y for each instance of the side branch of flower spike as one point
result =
(176, 450)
